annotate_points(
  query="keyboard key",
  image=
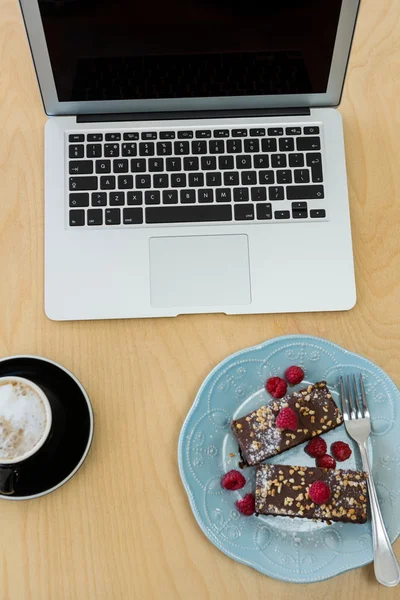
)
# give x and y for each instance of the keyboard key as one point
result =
(146, 149)
(83, 183)
(234, 146)
(132, 216)
(225, 162)
(257, 132)
(261, 161)
(213, 179)
(149, 135)
(264, 211)
(107, 182)
(191, 164)
(188, 196)
(223, 195)
(286, 144)
(76, 137)
(143, 181)
(284, 176)
(203, 133)
(251, 146)
(95, 137)
(205, 195)
(239, 132)
(296, 160)
(178, 180)
(244, 212)
(310, 143)
(185, 135)
(171, 196)
(304, 192)
(249, 177)
(117, 198)
(167, 135)
(131, 136)
(125, 182)
(221, 133)
(135, 198)
(76, 218)
(208, 163)
(138, 165)
(181, 147)
(156, 165)
(241, 195)
(314, 160)
(231, 178)
(113, 137)
(80, 167)
(301, 176)
(79, 200)
(276, 193)
(95, 216)
(299, 214)
(243, 162)
(258, 194)
(282, 214)
(311, 130)
(113, 216)
(173, 164)
(275, 130)
(99, 199)
(103, 166)
(278, 161)
(216, 146)
(196, 179)
(152, 197)
(76, 151)
(93, 150)
(266, 177)
(164, 148)
(269, 145)
(129, 149)
(199, 147)
(299, 205)
(189, 214)
(120, 166)
(318, 214)
(111, 149)
(293, 130)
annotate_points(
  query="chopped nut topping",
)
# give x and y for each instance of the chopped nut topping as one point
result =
(300, 497)
(291, 480)
(291, 471)
(329, 423)
(248, 419)
(239, 426)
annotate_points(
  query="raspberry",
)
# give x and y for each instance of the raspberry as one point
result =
(341, 451)
(317, 447)
(233, 480)
(294, 375)
(276, 386)
(246, 505)
(287, 419)
(326, 462)
(319, 492)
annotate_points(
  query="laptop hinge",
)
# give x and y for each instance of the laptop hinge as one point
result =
(195, 114)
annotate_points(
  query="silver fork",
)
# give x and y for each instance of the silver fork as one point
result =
(358, 425)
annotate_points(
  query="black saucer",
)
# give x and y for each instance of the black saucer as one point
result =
(72, 428)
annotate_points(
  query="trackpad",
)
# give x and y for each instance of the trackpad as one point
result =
(209, 270)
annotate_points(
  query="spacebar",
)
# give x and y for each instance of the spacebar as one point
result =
(188, 214)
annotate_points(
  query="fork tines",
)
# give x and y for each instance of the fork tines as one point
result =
(353, 398)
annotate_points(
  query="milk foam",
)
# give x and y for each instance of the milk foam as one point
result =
(23, 419)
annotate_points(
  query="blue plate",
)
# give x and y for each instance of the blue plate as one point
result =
(295, 550)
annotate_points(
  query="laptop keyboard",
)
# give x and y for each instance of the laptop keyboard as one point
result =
(139, 178)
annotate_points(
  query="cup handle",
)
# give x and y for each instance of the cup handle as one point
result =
(8, 478)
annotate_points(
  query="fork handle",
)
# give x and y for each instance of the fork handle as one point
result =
(386, 566)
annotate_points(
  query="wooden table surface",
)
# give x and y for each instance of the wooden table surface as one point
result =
(122, 527)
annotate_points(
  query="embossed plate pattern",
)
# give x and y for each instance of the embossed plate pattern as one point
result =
(293, 550)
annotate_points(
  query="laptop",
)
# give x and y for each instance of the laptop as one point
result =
(194, 156)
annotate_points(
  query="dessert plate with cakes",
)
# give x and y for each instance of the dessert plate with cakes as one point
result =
(272, 476)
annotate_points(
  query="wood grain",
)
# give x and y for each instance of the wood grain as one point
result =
(122, 528)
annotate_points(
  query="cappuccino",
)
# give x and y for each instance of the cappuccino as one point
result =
(25, 419)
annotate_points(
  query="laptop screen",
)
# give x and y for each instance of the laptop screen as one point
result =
(131, 50)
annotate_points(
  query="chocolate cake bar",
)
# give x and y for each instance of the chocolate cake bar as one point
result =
(283, 490)
(258, 436)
